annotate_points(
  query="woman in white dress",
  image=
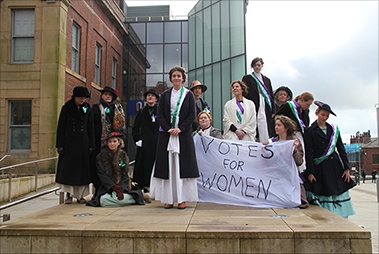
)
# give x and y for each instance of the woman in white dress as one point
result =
(175, 171)
(239, 115)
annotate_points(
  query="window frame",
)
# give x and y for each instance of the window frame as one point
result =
(25, 36)
(75, 45)
(114, 72)
(15, 126)
(98, 52)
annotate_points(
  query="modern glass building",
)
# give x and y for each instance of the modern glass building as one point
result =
(217, 49)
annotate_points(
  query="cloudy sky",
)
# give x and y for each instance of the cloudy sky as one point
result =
(329, 48)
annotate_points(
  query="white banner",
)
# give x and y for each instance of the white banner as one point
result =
(247, 173)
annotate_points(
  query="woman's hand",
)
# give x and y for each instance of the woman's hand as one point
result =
(240, 134)
(312, 178)
(346, 175)
(174, 131)
(296, 143)
(200, 132)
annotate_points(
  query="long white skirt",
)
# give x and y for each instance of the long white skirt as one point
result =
(77, 192)
(173, 189)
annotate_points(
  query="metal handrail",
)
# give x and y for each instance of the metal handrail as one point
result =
(22, 164)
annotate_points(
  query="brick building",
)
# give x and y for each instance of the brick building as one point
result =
(47, 48)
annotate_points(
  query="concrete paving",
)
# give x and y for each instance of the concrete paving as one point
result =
(364, 199)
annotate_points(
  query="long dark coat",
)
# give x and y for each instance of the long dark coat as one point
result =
(286, 111)
(106, 172)
(253, 94)
(328, 173)
(187, 156)
(145, 129)
(75, 134)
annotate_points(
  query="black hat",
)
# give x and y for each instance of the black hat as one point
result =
(114, 92)
(198, 83)
(114, 135)
(80, 91)
(152, 91)
(286, 89)
(324, 106)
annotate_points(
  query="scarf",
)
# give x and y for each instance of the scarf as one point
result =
(175, 117)
(112, 118)
(331, 146)
(263, 89)
(239, 111)
(295, 108)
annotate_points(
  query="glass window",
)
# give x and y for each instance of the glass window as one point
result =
(23, 36)
(172, 31)
(155, 81)
(75, 48)
(199, 39)
(206, 3)
(199, 75)
(238, 67)
(97, 64)
(191, 42)
(226, 80)
(20, 114)
(139, 28)
(172, 53)
(114, 72)
(154, 32)
(225, 35)
(216, 33)
(154, 54)
(208, 82)
(237, 28)
(184, 31)
(375, 159)
(185, 56)
(207, 36)
(199, 6)
(218, 105)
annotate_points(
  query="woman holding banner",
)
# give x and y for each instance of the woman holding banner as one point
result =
(285, 129)
(175, 170)
(239, 114)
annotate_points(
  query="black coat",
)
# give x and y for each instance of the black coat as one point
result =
(253, 94)
(187, 156)
(286, 111)
(106, 172)
(145, 129)
(328, 173)
(75, 134)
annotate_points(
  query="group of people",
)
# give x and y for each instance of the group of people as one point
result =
(90, 142)
(166, 165)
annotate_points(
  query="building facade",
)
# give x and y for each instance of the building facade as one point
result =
(32, 74)
(47, 48)
(217, 51)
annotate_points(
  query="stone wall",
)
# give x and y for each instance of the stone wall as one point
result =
(23, 185)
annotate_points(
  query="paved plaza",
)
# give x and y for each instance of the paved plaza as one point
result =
(364, 200)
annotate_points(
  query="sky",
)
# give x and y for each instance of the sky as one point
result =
(329, 48)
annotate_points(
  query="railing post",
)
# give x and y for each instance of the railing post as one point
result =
(10, 185)
(36, 178)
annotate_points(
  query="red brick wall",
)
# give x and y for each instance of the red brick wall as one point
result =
(97, 26)
(367, 160)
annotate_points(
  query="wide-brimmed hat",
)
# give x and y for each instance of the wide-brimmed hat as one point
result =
(114, 135)
(198, 83)
(114, 92)
(324, 106)
(152, 91)
(80, 91)
(286, 89)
